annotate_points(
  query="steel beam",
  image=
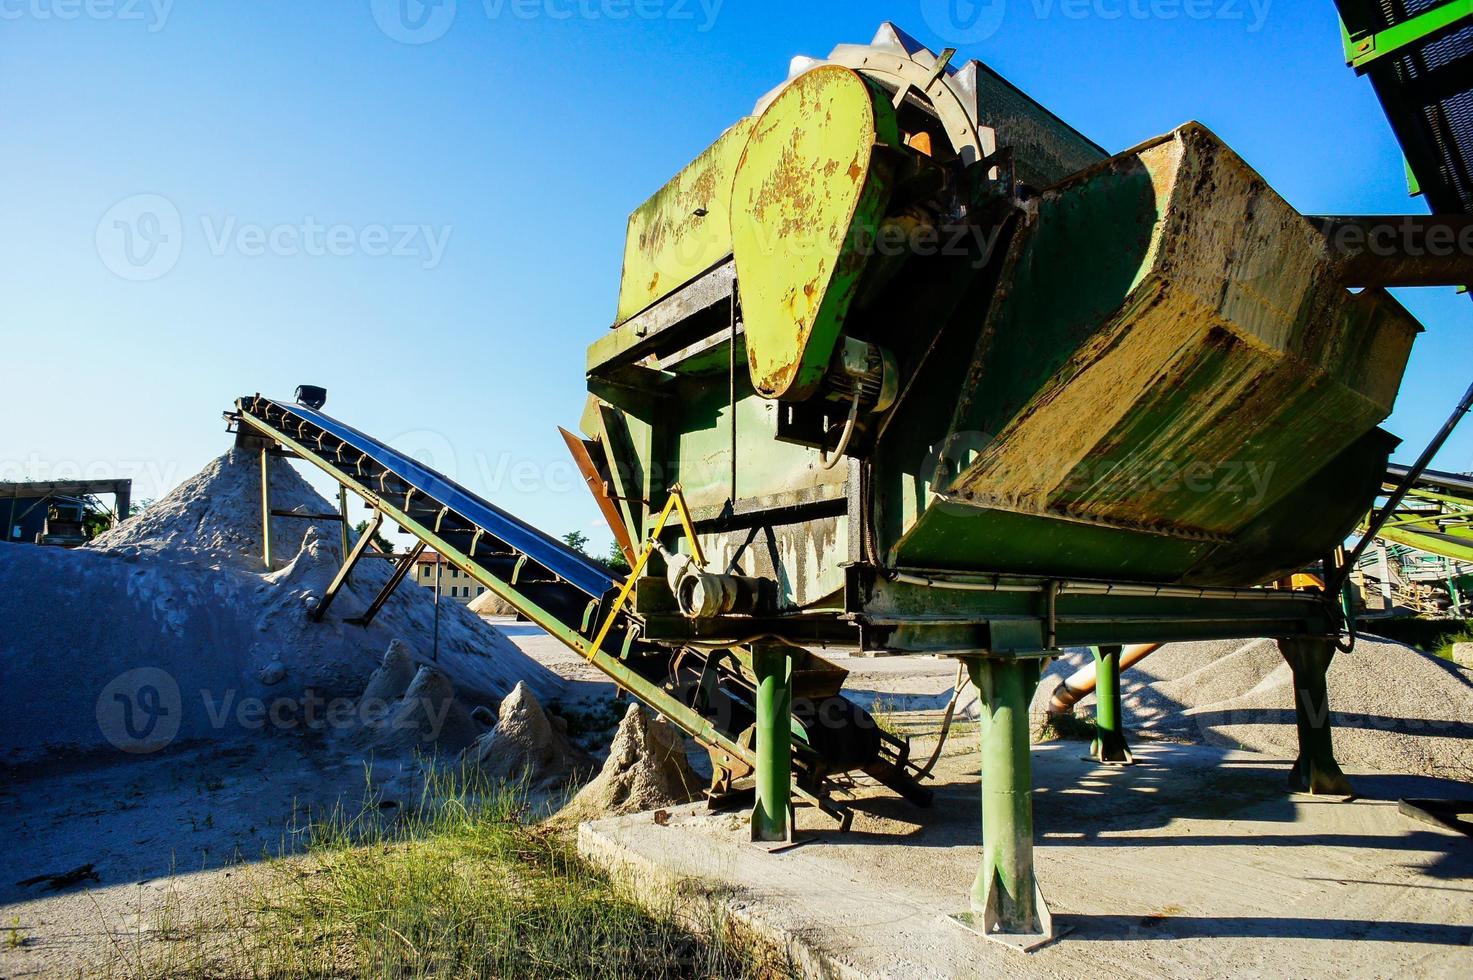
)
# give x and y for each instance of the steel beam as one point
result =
(1109, 745)
(774, 670)
(343, 526)
(1006, 897)
(400, 570)
(1315, 771)
(349, 560)
(265, 509)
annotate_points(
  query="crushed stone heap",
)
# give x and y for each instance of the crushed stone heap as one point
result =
(526, 745)
(646, 769)
(172, 615)
(1394, 708)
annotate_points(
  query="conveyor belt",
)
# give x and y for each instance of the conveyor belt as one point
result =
(706, 692)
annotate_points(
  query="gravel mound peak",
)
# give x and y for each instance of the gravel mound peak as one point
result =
(525, 745)
(646, 769)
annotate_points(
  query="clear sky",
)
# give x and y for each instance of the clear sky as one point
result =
(423, 208)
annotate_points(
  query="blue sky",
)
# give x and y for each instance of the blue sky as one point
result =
(433, 230)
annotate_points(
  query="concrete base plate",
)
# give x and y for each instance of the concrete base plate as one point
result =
(1193, 862)
(1021, 943)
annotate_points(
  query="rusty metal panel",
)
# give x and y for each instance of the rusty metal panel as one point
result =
(1169, 309)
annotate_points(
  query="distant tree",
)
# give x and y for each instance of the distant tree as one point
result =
(99, 519)
(616, 561)
(576, 540)
(379, 541)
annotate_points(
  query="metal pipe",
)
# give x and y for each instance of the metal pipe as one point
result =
(1083, 681)
(774, 705)
(1397, 495)
(1078, 587)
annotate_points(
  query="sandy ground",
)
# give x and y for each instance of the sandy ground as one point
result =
(1193, 862)
(165, 830)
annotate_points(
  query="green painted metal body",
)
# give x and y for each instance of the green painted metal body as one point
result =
(1133, 382)
(1439, 522)
(774, 671)
(684, 229)
(1366, 47)
(809, 192)
(1315, 770)
(1005, 894)
(1109, 742)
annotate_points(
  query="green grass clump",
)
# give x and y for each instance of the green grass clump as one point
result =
(463, 884)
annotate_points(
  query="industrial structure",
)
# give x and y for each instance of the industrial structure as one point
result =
(904, 364)
(61, 512)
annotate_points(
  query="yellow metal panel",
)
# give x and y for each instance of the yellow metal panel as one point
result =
(684, 229)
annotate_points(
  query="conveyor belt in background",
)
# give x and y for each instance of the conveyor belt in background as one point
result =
(1419, 56)
(705, 692)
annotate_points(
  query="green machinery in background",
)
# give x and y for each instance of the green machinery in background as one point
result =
(936, 374)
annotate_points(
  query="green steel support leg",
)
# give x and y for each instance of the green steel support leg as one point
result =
(343, 524)
(1109, 744)
(265, 508)
(1316, 770)
(1005, 895)
(774, 673)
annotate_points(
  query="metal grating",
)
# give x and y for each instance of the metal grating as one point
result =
(1427, 92)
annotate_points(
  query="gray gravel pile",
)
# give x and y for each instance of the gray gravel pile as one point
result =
(167, 629)
(646, 769)
(1394, 708)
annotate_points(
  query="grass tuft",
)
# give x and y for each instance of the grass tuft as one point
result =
(464, 883)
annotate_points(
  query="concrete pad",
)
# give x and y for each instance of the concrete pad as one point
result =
(1194, 862)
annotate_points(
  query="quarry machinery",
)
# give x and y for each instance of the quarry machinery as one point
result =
(902, 364)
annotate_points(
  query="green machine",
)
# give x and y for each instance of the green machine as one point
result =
(932, 373)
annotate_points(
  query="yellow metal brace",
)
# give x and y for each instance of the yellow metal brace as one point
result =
(675, 502)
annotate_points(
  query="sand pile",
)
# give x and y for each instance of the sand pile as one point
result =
(1394, 707)
(646, 769)
(167, 629)
(526, 745)
(490, 604)
(425, 717)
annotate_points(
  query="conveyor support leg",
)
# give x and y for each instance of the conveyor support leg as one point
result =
(1316, 770)
(1005, 896)
(1109, 743)
(770, 814)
